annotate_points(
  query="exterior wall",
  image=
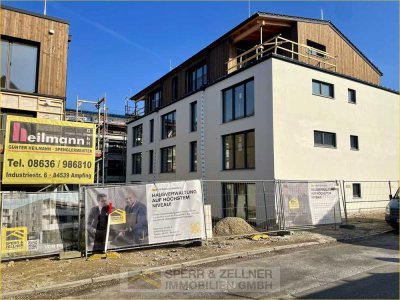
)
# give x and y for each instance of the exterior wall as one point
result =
(297, 113)
(348, 61)
(53, 48)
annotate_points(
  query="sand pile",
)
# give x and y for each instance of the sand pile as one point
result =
(233, 226)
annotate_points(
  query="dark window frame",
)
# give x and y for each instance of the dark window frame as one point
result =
(151, 135)
(174, 88)
(317, 46)
(191, 83)
(136, 136)
(155, 103)
(235, 197)
(353, 98)
(193, 116)
(193, 156)
(354, 143)
(173, 163)
(163, 131)
(151, 161)
(356, 191)
(324, 145)
(321, 83)
(232, 88)
(137, 168)
(13, 40)
(245, 147)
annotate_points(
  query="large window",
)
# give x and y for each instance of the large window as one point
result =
(354, 142)
(193, 116)
(137, 132)
(320, 88)
(193, 156)
(196, 78)
(238, 101)
(324, 139)
(168, 125)
(19, 66)
(137, 163)
(238, 151)
(155, 99)
(151, 159)
(168, 159)
(239, 200)
(151, 130)
(351, 96)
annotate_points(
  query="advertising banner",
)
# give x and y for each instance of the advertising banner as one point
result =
(39, 151)
(38, 223)
(144, 214)
(310, 203)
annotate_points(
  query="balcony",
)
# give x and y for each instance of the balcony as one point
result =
(285, 47)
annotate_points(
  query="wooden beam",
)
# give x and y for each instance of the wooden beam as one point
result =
(278, 24)
(248, 32)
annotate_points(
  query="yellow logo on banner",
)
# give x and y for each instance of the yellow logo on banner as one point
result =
(294, 203)
(42, 151)
(195, 228)
(118, 216)
(14, 239)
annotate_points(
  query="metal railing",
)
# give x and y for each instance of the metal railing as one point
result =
(293, 50)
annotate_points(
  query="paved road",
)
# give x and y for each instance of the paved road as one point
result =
(364, 269)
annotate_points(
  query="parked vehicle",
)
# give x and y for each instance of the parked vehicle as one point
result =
(392, 211)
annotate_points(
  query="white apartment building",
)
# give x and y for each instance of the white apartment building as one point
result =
(277, 97)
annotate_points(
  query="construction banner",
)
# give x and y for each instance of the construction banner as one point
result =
(39, 151)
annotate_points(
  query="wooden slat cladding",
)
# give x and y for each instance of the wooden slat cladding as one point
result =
(53, 49)
(348, 61)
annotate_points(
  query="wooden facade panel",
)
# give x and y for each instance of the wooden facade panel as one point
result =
(348, 61)
(52, 71)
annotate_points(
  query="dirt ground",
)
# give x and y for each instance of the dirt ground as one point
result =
(33, 273)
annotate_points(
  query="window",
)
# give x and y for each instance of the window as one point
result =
(239, 200)
(238, 101)
(18, 66)
(351, 94)
(193, 156)
(137, 135)
(151, 130)
(317, 47)
(168, 123)
(175, 88)
(137, 163)
(151, 159)
(155, 99)
(238, 151)
(320, 88)
(168, 160)
(193, 116)
(115, 168)
(196, 78)
(356, 190)
(354, 142)
(325, 139)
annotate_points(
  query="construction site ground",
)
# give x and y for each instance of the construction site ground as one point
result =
(35, 273)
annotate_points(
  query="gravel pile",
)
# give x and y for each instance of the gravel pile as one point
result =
(233, 226)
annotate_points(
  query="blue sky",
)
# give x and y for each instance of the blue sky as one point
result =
(118, 48)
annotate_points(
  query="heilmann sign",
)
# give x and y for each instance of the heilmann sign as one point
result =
(39, 151)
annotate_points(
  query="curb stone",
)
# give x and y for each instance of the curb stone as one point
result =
(178, 266)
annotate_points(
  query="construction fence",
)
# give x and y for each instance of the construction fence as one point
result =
(38, 224)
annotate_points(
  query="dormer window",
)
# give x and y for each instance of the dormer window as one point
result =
(155, 99)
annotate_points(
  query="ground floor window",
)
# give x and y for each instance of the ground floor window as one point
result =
(239, 200)
(168, 160)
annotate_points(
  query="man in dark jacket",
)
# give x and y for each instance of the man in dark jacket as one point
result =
(136, 230)
(97, 223)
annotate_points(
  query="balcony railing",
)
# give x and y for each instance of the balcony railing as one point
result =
(283, 46)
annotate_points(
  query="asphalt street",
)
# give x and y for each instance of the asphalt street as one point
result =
(364, 269)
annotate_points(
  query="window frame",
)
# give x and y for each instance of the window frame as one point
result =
(359, 194)
(173, 163)
(13, 40)
(323, 145)
(152, 100)
(151, 161)
(232, 89)
(193, 155)
(151, 135)
(354, 93)
(321, 83)
(135, 169)
(174, 88)
(355, 137)
(317, 46)
(191, 84)
(193, 116)
(135, 136)
(245, 147)
(163, 132)
(235, 197)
